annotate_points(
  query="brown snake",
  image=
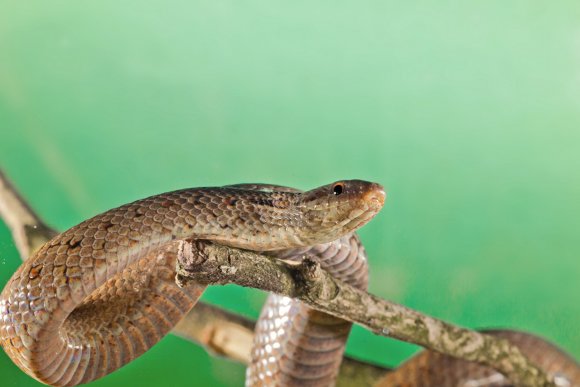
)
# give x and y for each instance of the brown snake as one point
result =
(102, 293)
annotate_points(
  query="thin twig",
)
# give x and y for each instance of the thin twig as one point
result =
(210, 263)
(28, 230)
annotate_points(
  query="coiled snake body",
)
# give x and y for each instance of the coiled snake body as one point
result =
(102, 293)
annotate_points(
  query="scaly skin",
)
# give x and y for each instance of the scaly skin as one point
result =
(431, 369)
(102, 293)
(295, 345)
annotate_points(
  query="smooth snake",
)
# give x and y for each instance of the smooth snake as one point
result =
(102, 293)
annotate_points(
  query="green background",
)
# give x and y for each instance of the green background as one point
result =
(468, 113)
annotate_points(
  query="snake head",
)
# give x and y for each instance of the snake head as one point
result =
(340, 208)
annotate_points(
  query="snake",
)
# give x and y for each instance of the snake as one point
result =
(102, 293)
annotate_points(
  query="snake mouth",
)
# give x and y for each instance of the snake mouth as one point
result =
(370, 201)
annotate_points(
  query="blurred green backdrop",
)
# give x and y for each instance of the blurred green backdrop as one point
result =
(468, 112)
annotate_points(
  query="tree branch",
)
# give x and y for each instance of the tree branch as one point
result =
(210, 263)
(28, 230)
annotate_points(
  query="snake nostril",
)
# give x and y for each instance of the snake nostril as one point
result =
(376, 194)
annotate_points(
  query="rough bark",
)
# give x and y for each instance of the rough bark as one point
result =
(211, 264)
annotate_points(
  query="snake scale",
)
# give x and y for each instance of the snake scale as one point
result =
(103, 292)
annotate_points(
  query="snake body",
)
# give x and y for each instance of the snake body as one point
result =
(295, 345)
(431, 369)
(103, 292)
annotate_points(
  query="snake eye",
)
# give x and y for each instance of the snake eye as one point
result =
(337, 188)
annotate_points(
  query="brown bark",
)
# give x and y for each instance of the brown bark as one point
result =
(211, 264)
